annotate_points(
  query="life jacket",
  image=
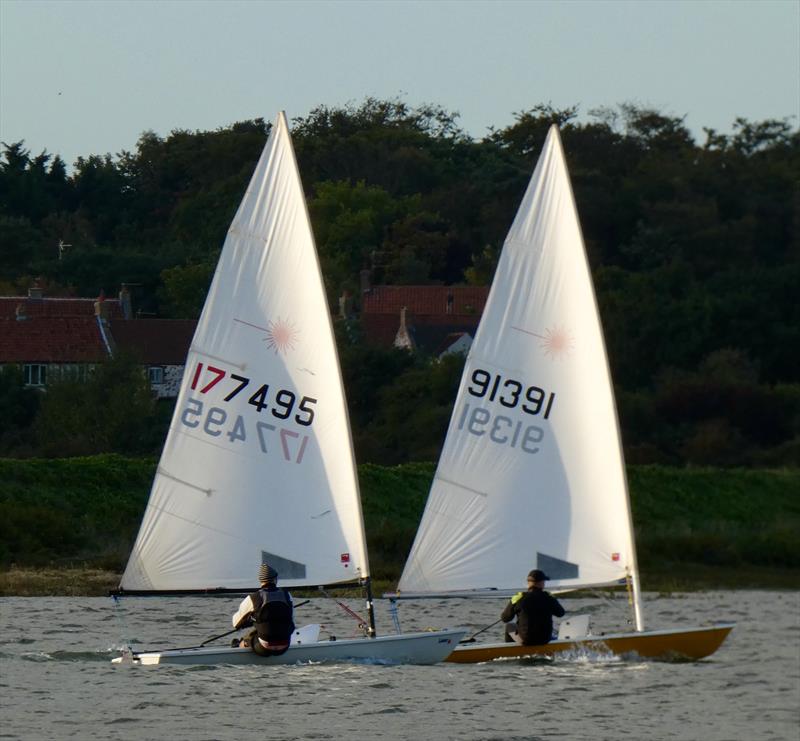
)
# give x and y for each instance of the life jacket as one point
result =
(272, 615)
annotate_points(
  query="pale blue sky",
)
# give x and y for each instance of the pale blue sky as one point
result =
(88, 77)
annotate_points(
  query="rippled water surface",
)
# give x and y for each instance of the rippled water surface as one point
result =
(57, 682)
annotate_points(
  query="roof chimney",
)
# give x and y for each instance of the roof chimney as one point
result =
(366, 278)
(125, 302)
(404, 338)
(101, 309)
(344, 299)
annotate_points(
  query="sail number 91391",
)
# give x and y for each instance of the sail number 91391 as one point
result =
(511, 394)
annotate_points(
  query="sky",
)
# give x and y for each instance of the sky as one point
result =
(89, 77)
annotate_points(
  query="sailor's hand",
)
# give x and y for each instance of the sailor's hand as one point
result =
(516, 598)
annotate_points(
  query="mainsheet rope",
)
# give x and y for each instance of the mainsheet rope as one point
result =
(362, 624)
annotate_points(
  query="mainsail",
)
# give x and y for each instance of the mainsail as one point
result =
(531, 474)
(258, 464)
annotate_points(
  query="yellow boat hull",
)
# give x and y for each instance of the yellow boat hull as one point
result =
(688, 644)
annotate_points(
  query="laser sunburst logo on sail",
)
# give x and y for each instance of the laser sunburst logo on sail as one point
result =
(557, 341)
(280, 335)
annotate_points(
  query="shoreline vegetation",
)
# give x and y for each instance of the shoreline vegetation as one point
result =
(76, 581)
(67, 525)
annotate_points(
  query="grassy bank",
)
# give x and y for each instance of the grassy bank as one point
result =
(66, 526)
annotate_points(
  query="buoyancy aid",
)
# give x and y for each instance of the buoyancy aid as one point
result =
(272, 616)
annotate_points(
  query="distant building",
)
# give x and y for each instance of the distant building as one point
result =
(161, 345)
(51, 338)
(434, 319)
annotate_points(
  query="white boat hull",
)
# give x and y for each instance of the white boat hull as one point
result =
(404, 648)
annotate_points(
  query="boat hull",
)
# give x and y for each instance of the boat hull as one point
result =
(407, 648)
(687, 644)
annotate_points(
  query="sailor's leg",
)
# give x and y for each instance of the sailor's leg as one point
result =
(511, 633)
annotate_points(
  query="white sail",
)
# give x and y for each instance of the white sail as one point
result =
(258, 463)
(531, 474)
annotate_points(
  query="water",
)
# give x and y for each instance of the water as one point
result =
(60, 684)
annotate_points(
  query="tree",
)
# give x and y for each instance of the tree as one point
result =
(18, 408)
(113, 411)
(350, 222)
(186, 287)
(414, 410)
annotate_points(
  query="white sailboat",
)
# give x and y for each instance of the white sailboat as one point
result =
(258, 464)
(531, 474)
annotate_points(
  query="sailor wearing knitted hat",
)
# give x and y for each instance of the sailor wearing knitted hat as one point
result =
(271, 613)
(266, 574)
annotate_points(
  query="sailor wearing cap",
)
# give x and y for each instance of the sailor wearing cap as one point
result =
(271, 613)
(534, 611)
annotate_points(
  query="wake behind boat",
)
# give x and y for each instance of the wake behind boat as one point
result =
(258, 465)
(531, 474)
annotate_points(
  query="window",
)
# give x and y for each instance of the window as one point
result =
(68, 372)
(35, 374)
(155, 374)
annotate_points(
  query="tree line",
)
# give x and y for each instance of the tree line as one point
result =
(694, 249)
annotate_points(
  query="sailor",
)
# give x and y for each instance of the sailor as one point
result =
(270, 611)
(534, 611)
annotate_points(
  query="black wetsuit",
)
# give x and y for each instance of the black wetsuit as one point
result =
(534, 612)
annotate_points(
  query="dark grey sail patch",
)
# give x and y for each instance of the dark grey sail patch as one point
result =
(286, 569)
(556, 568)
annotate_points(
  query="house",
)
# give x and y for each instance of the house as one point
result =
(53, 338)
(435, 319)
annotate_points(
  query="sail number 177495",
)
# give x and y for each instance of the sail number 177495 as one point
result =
(282, 401)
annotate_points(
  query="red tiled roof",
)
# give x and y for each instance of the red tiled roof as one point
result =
(155, 341)
(459, 322)
(51, 339)
(431, 300)
(380, 329)
(62, 307)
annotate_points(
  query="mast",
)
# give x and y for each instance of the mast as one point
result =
(633, 575)
(370, 608)
(365, 575)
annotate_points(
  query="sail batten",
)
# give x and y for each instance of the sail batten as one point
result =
(259, 444)
(531, 473)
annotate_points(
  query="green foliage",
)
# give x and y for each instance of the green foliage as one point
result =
(18, 408)
(695, 249)
(185, 288)
(22, 244)
(349, 223)
(87, 510)
(113, 411)
(413, 413)
(366, 371)
(724, 517)
(71, 510)
(392, 500)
